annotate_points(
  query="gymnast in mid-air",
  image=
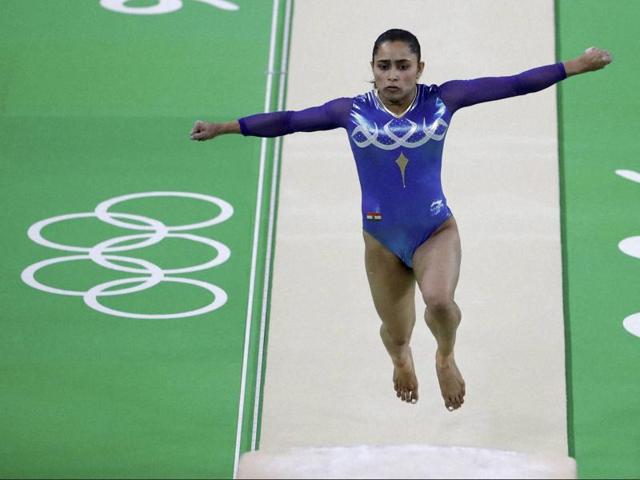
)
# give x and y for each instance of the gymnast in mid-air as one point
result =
(397, 133)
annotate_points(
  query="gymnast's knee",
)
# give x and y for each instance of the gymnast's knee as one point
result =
(399, 338)
(439, 304)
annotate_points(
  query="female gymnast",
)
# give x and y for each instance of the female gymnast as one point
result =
(397, 133)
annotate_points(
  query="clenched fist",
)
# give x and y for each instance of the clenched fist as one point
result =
(595, 58)
(202, 131)
(592, 59)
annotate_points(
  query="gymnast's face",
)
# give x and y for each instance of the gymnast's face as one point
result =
(396, 71)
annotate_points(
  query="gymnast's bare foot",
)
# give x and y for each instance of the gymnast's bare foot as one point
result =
(405, 381)
(450, 380)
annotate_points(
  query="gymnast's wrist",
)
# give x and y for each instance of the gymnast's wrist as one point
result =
(229, 127)
(573, 67)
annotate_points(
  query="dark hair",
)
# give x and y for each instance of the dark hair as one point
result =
(398, 35)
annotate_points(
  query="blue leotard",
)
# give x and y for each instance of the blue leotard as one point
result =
(399, 158)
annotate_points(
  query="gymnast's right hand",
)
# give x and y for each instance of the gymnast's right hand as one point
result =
(202, 131)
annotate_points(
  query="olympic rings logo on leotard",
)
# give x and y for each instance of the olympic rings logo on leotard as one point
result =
(393, 141)
(148, 274)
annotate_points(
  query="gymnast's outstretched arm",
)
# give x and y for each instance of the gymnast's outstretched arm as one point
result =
(333, 114)
(463, 93)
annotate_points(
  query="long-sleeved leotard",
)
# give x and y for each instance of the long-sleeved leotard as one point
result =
(399, 158)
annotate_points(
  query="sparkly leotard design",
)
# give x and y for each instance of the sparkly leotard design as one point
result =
(399, 158)
(399, 161)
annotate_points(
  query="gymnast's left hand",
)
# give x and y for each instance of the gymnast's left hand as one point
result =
(594, 59)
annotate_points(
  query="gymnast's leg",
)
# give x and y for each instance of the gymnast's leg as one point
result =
(393, 288)
(436, 264)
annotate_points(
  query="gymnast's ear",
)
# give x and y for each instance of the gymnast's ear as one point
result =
(420, 69)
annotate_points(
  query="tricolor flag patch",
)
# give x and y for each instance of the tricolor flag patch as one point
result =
(376, 216)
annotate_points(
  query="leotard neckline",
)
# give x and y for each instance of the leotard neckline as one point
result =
(408, 109)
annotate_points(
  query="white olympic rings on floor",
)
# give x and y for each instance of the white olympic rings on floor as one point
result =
(161, 6)
(631, 246)
(102, 254)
